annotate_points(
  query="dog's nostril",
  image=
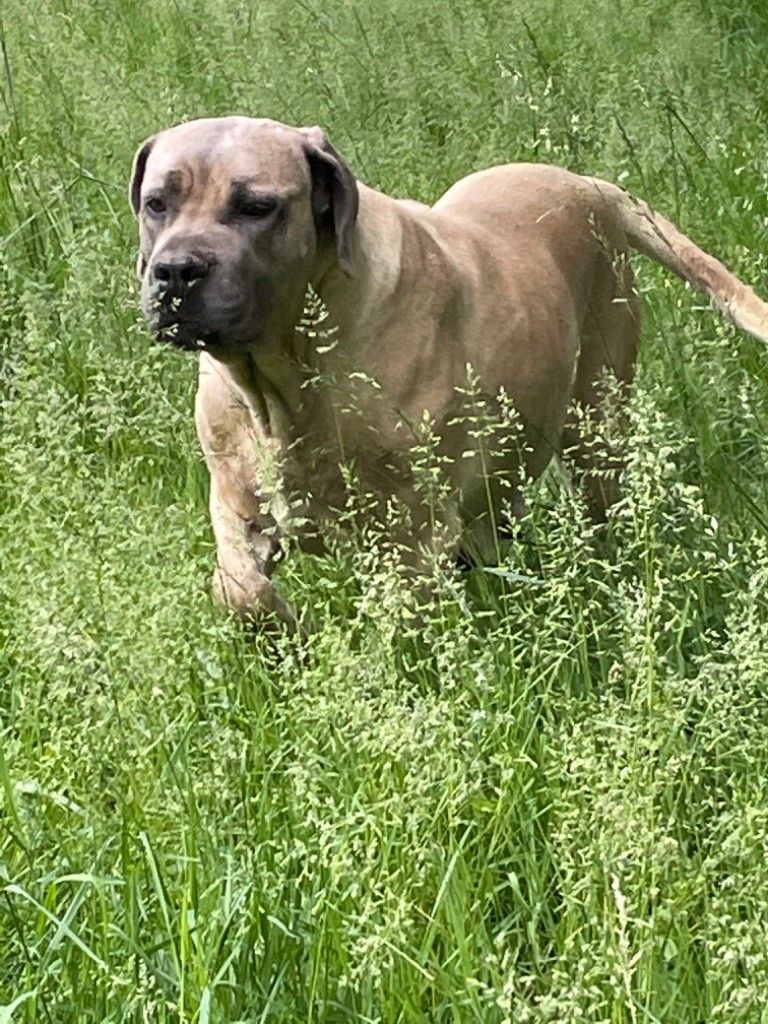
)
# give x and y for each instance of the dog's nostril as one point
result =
(193, 270)
(178, 274)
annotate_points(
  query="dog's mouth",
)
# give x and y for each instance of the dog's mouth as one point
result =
(185, 337)
(176, 328)
(188, 326)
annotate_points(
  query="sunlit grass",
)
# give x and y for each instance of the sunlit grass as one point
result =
(545, 801)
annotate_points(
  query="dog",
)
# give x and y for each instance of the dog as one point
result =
(518, 272)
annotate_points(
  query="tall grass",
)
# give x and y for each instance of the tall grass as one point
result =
(548, 802)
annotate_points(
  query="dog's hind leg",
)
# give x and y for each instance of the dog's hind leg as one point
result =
(609, 341)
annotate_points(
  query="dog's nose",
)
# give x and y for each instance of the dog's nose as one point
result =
(177, 273)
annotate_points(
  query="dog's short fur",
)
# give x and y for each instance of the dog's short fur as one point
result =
(518, 271)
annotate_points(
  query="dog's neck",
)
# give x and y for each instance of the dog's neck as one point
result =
(362, 296)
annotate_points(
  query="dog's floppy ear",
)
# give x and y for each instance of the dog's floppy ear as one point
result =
(335, 198)
(137, 174)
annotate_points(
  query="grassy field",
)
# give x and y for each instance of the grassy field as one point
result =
(550, 807)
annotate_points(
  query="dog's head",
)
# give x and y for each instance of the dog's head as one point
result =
(235, 215)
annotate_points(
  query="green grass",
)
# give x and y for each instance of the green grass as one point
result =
(550, 807)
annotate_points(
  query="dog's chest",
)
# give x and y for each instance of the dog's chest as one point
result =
(339, 447)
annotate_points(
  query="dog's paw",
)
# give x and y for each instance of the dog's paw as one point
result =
(254, 600)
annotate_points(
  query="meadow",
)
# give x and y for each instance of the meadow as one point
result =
(548, 802)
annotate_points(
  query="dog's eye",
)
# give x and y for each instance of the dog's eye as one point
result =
(256, 207)
(155, 206)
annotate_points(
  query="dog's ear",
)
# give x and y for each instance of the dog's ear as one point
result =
(134, 191)
(335, 199)
(137, 173)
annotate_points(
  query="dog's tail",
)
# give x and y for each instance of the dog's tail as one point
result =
(655, 236)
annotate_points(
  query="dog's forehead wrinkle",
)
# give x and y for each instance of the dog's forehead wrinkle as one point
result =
(174, 179)
(261, 185)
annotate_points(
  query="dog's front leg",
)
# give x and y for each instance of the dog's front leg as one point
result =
(244, 555)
